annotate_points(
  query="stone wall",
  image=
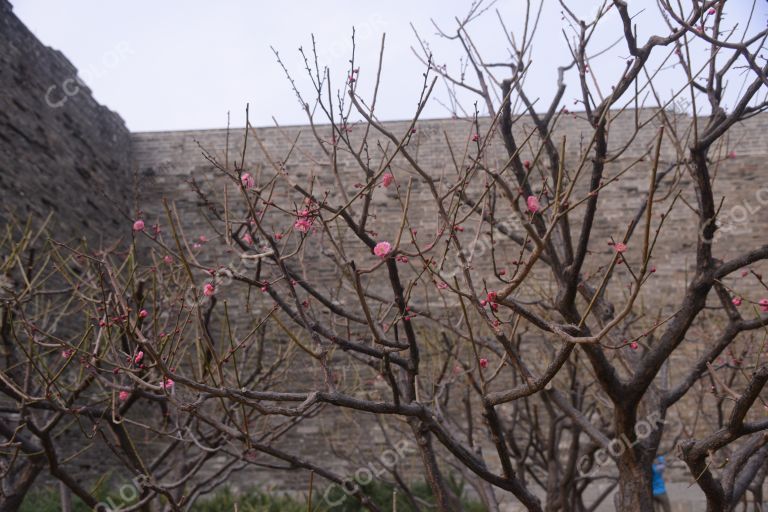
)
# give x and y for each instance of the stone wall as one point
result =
(60, 151)
(168, 161)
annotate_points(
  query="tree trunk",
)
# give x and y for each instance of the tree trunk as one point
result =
(25, 475)
(445, 500)
(634, 493)
(66, 498)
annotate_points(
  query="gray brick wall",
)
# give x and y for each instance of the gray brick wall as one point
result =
(60, 150)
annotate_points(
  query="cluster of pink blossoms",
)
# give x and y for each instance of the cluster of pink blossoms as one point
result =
(304, 221)
(490, 300)
(763, 303)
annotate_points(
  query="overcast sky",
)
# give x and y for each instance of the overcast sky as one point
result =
(183, 64)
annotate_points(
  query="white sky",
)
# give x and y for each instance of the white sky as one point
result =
(182, 64)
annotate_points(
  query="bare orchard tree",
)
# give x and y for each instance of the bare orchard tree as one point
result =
(79, 389)
(540, 312)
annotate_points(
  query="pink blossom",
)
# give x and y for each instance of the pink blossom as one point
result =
(483, 362)
(278, 236)
(736, 301)
(387, 180)
(66, 354)
(168, 259)
(143, 313)
(620, 247)
(139, 357)
(763, 305)
(168, 383)
(442, 285)
(202, 239)
(475, 138)
(731, 154)
(633, 345)
(247, 180)
(138, 225)
(303, 224)
(533, 204)
(196, 245)
(124, 395)
(208, 289)
(248, 239)
(527, 164)
(711, 11)
(382, 249)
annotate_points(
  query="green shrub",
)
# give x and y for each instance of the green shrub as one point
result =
(224, 500)
(249, 501)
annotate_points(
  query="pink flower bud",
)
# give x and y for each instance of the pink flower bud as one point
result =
(247, 180)
(533, 204)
